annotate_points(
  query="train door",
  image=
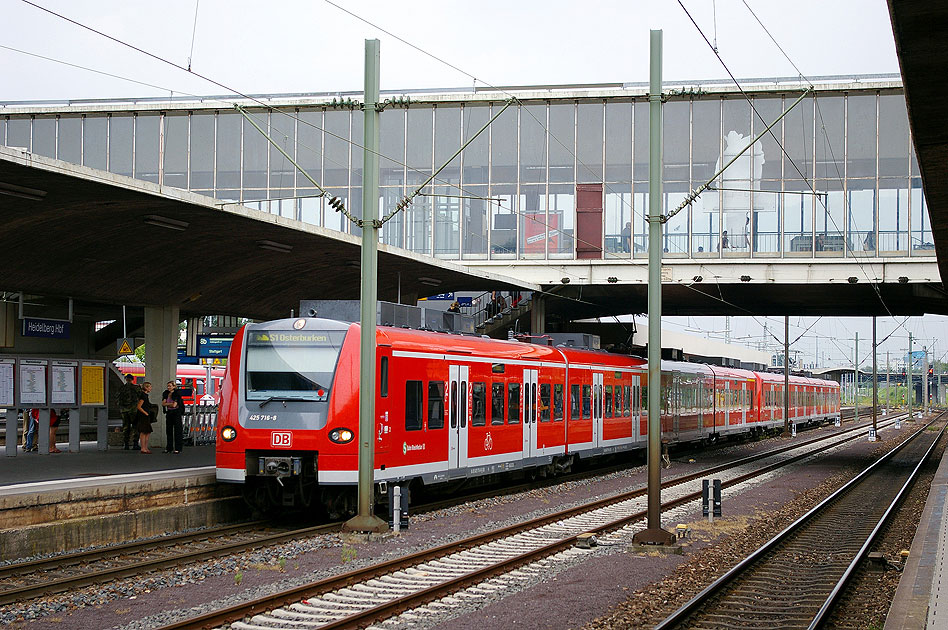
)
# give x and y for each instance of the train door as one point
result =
(745, 402)
(530, 413)
(676, 403)
(458, 401)
(597, 409)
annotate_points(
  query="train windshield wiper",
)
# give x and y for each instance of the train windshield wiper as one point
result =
(283, 399)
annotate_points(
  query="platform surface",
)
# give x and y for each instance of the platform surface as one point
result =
(921, 600)
(89, 467)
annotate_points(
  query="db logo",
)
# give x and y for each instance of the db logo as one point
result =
(281, 439)
(488, 442)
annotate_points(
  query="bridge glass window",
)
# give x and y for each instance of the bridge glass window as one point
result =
(120, 145)
(147, 138)
(533, 145)
(544, 402)
(175, 153)
(44, 136)
(255, 151)
(478, 404)
(69, 139)
(202, 152)
(336, 153)
(95, 148)
(497, 395)
(558, 391)
(562, 128)
(283, 132)
(587, 402)
(228, 150)
(414, 404)
(435, 404)
(513, 403)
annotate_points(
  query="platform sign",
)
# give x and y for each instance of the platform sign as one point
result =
(838, 421)
(6, 382)
(92, 388)
(125, 345)
(872, 435)
(62, 383)
(440, 296)
(898, 424)
(32, 382)
(48, 328)
(213, 347)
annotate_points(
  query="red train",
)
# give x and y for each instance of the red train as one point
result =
(461, 408)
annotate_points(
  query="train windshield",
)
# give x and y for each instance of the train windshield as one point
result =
(291, 365)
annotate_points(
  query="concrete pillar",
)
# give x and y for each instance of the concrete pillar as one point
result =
(42, 438)
(538, 315)
(161, 359)
(74, 429)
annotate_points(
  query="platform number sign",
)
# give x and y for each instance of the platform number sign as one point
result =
(838, 421)
(281, 439)
(872, 435)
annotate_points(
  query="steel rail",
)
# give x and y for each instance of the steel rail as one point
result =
(294, 595)
(685, 611)
(140, 566)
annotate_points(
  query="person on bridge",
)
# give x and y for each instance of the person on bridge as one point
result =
(173, 404)
(146, 413)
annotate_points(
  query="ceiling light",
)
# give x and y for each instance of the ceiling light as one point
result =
(745, 278)
(431, 282)
(612, 279)
(903, 279)
(564, 280)
(165, 222)
(273, 246)
(853, 279)
(697, 278)
(33, 194)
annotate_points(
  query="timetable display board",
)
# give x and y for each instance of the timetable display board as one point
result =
(92, 385)
(7, 380)
(62, 382)
(32, 382)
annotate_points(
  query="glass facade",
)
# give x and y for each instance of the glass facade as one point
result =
(836, 177)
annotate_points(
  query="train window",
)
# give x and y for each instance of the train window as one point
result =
(608, 401)
(498, 368)
(545, 402)
(497, 403)
(587, 401)
(627, 400)
(574, 402)
(643, 398)
(558, 390)
(454, 405)
(463, 401)
(414, 403)
(478, 404)
(383, 378)
(435, 404)
(513, 403)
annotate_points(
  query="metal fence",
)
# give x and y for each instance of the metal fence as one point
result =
(200, 422)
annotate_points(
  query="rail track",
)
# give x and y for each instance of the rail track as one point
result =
(795, 579)
(371, 594)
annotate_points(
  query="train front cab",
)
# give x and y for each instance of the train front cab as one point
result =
(276, 404)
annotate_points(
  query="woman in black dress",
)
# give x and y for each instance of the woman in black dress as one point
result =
(146, 415)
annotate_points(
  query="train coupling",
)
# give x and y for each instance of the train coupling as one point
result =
(279, 467)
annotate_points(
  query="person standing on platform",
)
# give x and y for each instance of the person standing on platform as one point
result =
(54, 419)
(30, 421)
(146, 414)
(173, 404)
(128, 402)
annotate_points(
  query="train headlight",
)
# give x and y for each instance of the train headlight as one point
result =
(229, 434)
(341, 436)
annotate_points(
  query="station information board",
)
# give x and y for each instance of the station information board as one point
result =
(93, 385)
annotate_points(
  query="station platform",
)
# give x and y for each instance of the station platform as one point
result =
(71, 500)
(90, 466)
(921, 600)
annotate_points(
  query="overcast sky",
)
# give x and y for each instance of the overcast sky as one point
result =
(291, 46)
(313, 46)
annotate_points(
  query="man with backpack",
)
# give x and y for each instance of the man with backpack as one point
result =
(128, 402)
